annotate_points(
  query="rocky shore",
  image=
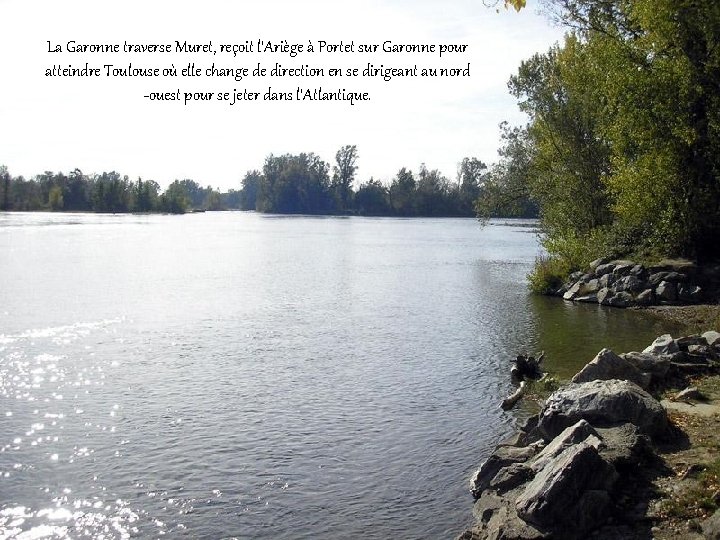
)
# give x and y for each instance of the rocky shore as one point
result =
(624, 283)
(584, 465)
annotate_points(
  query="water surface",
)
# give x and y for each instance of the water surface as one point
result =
(240, 375)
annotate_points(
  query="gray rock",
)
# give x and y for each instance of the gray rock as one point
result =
(639, 272)
(624, 446)
(597, 262)
(574, 291)
(663, 345)
(621, 299)
(666, 290)
(623, 268)
(675, 277)
(500, 458)
(712, 338)
(657, 366)
(602, 403)
(657, 277)
(579, 432)
(711, 526)
(567, 494)
(607, 365)
(645, 298)
(604, 296)
(685, 342)
(592, 286)
(607, 280)
(591, 298)
(604, 269)
(498, 520)
(628, 284)
(575, 276)
(511, 477)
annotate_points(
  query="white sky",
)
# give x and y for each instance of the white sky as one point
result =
(102, 124)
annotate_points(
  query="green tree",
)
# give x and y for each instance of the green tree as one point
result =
(373, 199)
(344, 174)
(402, 193)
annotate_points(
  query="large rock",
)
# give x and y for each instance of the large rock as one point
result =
(570, 494)
(712, 338)
(629, 283)
(577, 433)
(645, 298)
(621, 299)
(499, 459)
(602, 403)
(663, 345)
(607, 365)
(604, 269)
(689, 293)
(624, 446)
(667, 291)
(657, 366)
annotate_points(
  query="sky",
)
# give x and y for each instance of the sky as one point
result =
(101, 123)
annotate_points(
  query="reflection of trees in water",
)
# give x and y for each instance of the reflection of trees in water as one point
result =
(572, 333)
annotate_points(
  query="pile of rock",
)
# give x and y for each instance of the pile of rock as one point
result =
(623, 283)
(560, 475)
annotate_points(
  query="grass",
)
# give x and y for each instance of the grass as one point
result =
(699, 499)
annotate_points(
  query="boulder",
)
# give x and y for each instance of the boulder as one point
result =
(579, 432)
(604, 296)
(499, 459)
(684, 343)
(621, 299)
(510, 477)
(667, 291)
(624, 446)
(663, 345)
(639, 272)
(645, 298)
(498, 520)
(657, 366)
(712, 338)
(657, 277)
(597, 262)
(602, 403)
(629, 284)
(607, 365)
(623, 268)
(573, 291)
(604, 269)
(591, 298)
(570, 494)
(606, 280)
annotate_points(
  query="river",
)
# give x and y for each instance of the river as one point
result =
(258, 376)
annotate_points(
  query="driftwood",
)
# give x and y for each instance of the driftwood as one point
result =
(510, 401)
(524, 368)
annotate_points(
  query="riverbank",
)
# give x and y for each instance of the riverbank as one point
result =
(617, 453)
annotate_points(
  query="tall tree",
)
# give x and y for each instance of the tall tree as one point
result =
(344, 174)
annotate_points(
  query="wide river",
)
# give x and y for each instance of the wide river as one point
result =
(256, 376)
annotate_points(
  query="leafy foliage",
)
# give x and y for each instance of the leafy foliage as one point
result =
(624, 133)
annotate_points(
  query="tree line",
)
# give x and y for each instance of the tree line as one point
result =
(622, 148)
(286, 184)
(106, 192)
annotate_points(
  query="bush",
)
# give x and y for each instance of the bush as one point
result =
(548, 274)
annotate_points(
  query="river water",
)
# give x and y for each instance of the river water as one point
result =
(255, 376)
